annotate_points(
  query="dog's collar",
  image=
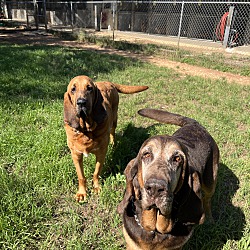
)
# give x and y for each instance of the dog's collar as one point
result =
(138, 221)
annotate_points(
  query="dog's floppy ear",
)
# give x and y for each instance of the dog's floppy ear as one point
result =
(195, 184)
(192, 210)
(69, 112)
(130, 172)
(181, 160)
(99, 112)
(196, 187)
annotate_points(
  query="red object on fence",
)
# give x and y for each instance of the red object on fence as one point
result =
(220, 29)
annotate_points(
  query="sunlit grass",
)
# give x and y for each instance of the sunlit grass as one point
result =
(38, 179)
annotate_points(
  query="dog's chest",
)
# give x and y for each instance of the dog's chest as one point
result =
(80, 142)
(87, 142)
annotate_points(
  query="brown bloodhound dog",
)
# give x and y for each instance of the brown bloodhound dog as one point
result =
(169, 185)
(90, 119)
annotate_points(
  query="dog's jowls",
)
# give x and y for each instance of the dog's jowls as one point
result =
(169, 185)
(90, 119)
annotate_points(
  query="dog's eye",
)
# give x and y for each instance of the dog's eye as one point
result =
(177, 159)
(73, 90)
(89, 88)
(146, 155)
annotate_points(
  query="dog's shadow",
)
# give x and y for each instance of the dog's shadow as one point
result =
(127, 145)
(229, 219)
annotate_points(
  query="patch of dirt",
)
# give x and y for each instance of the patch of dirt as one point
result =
(42, 38)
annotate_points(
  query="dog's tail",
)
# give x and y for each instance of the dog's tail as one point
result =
(166, 117)
(126, 89)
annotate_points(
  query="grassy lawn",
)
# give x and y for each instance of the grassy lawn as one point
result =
(37, 177)
(233, 63)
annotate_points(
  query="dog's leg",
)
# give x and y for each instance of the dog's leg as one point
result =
(210, 184)
(81, 195)
(207, 196)
(112, 136)
(100, 157)
(112, 131)
(208, 193)
(207, 207)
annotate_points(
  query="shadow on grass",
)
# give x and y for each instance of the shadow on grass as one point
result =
(229, 219)
(127, 147)
(43, 72)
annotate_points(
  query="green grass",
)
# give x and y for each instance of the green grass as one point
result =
(218, 61)
(236, 64)
(38, 179)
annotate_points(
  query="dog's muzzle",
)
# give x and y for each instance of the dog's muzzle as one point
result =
(158, 195)
(155, 188)
(81, 107)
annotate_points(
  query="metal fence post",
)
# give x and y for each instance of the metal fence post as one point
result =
(114, 8)
(228, 26)
(97, 19)
(180, 23)
(36, 13)
(5, 9)
(132, 16)
(71, 14)
(45, 16)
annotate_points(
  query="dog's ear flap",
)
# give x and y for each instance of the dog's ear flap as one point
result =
(198, 197)
(99, 112)
(69, 114)
(181, 160)
(193, 211)
(195, 184)
(130, 172)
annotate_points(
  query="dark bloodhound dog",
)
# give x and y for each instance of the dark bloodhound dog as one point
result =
(90, 119)
(169, 185)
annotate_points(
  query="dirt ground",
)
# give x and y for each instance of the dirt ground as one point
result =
(42, 38)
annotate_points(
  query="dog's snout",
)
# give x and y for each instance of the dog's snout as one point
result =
(81, 102)
(155, 188)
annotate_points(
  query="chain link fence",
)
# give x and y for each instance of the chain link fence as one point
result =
(225, 21)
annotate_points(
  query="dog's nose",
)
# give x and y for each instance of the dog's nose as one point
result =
(81, 102)
(155, 188)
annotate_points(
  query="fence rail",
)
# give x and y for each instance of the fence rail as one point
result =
(227, 22)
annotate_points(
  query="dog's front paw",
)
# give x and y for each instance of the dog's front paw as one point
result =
(81, 197)
(97, 189)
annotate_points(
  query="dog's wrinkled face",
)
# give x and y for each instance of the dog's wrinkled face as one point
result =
(81, 91)
(161, 169)
(161, 162)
